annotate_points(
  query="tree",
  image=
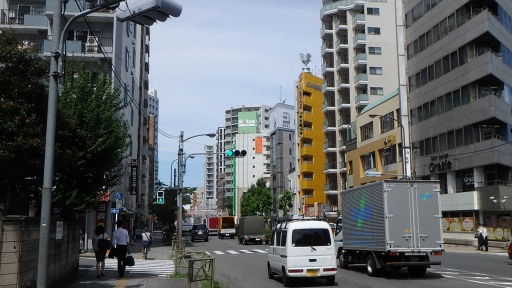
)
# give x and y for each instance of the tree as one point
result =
(285, 202)
(257, 200)
(92, 140)
(166, 212)
(23, 106)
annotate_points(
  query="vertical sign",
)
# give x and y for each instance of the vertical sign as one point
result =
(134, 178)
(58, 230)
(101, 214)
(259, 145)
(301, 113)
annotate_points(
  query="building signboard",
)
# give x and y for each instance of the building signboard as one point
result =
(101, 214)
(259, 145)
(133, 177)
(248, 122)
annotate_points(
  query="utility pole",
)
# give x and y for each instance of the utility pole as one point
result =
(180, 187)
(46, 203)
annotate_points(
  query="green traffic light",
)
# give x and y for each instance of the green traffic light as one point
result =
(229, 153)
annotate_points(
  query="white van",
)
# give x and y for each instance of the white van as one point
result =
(302, 248)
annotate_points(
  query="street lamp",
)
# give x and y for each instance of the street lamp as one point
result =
(402, 132)
(181, 168)
(161, 7)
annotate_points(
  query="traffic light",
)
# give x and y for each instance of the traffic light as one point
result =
(236, 153)
(160, 197)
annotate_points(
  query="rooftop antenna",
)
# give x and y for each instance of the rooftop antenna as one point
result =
(305, 58)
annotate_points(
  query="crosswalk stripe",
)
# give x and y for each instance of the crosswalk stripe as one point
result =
(232, 252)
(246, 251)
(218, 252)
(259, 251)
(154, 267)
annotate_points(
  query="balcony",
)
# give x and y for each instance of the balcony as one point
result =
(360, 60)
(343, 102)
(362, 100)
(327, 48)
(358, 21)
(92, 47)
(328, 86)
(329, 126)
(361, 80)
(342, 83)
(342, 63)
(340, 25)
(325, 30)
(330, 167)
(307, 150)
(307, 166)
(307, 183)
(341, 145)
(329, 189)
(33, 18)
(329, 145)
(343, 124)
(328, 106)
(359, 40)
(75, 7)
(342, 166)
(341, 43)
(327, 67)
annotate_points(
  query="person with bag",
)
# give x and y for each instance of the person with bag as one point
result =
(478, 235)
(147, 240)
(100, 244)
(121, 240)
(485, 241)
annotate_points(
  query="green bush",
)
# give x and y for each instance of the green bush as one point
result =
(268, 234)
(168, 232)
(216, 284)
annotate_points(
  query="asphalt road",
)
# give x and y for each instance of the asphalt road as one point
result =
(458, 270)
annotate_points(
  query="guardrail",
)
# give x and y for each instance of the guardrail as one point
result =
(200, 265)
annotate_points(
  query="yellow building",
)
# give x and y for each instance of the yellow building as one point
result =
(377, 146)
(310, 144)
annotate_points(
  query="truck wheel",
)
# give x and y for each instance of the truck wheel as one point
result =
(417, 271)
(342, 262)
(269, 271)
(286, 280)
(371, 268)
(330, 280)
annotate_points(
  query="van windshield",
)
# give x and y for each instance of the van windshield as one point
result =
(311, 237)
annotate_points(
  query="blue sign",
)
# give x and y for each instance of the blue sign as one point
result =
(114, 210)
(119, 196)
(426, 196)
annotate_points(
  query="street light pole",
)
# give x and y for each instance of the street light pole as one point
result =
(181, 169)
(402, 132)
(170, 183)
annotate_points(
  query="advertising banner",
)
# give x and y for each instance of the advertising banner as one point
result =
(133, 177)
(101, 214)
(259, 145)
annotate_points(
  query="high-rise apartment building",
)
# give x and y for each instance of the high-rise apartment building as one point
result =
(282, 147)
(210, 178)
(359, 65)
(154, 182)
(123, 46)
(460, 100)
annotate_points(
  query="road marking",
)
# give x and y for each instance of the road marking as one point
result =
(121, 283)
(161, 268)
(232, 252)
(246, 251)
(218, 252)
(480, 278)
(260, 251)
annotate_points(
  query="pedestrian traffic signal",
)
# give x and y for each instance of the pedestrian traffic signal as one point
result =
(236, 153)
(160, 197)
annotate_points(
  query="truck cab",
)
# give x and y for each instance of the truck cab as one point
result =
(338, 237)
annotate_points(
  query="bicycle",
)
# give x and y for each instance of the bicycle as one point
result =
(145, 250)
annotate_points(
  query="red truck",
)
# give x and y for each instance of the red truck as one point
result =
(213, 223)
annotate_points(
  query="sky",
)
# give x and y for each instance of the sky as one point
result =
(220, 54)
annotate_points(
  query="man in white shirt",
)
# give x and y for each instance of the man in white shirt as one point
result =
(485, 241)
(146, 239)
(121, 240)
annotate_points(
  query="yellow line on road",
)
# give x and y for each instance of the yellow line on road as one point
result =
(121, 283)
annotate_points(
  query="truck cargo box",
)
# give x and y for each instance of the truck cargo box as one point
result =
(393, 215)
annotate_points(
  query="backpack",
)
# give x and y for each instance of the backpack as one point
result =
(103, 244)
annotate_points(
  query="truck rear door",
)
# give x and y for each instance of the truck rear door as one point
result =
(399, 215)
(428, 227)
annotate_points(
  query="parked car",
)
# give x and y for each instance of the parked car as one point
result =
(199, 231)
(510, 250)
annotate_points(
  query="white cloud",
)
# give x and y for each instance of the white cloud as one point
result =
(222, 54)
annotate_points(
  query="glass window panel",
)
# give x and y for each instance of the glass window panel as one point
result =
(420, 113)
(463, 55)
(416, 46)
(450, 139)
(421, 11)
(446, 64)
(410, 51)
(448, 104)
(428, 146)
(426, 111)
(408, 19)
(456, 98)
(414, 117)
(454, 58)
(439, 69)
(451, 23)
(459, 137)
(412, 83)
(435, 144)
(465, 95)
(421, 146)
(440, 105)
(433, 4)
(468, 135)
(431, 73)
(414, 12)
(436, 34)
(418, 80)
(433, 108)
(442, 142)
(423, 42)
(424, 76)
(429, 37)
(443, 27)
(426, 4)
(460, 17)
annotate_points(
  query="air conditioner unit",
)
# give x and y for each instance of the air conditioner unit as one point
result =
(91, 45)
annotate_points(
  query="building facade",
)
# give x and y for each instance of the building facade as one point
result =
(210, 177)
(282, 147)
(460, 98)
(360, 64)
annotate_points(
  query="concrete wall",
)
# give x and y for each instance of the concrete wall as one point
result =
(19, 250)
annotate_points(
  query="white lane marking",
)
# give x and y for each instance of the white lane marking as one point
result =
(232, 252)
(246, 251)
(260, 251)
(218, 252)
(473, 277)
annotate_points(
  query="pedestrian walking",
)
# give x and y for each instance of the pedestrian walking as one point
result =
(485, 241)
(99, 233)
(480, 237)
(121, 240)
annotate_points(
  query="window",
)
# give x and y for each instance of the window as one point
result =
(448, 103)
(374, 50)
(451, 23)
(376, 91)
(450, 138)
(311, 237)
(367, 131)
(126, 58)
(431, 73)
(387, 123)
(290, 152)
(442, 142)
(373, 31)
(454, 58)
(372, 11)
(376, 70)
(133, 58)
(410, 51)
(459, 138)
(283, 238)
(369, 162)
(389, 155)
(435, 144)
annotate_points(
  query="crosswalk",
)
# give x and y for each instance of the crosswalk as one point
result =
(160, 268)
(480, 278)
(243, 251)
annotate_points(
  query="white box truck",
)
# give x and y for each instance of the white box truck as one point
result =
(391, 224)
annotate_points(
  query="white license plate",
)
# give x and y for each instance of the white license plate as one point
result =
(200, 232)
(227, 234)
(257, 239)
